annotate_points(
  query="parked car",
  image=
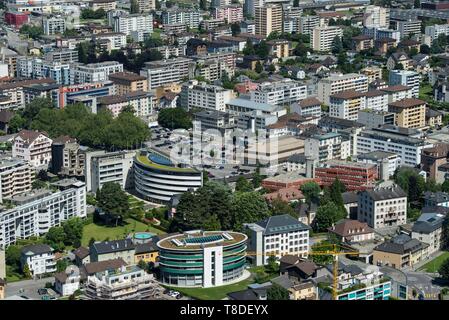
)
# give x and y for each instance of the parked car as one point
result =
(42, 291)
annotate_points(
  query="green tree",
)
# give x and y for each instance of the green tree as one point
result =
(328, 214)
(113, 200)
(276, 292)
(27, 272)
(337, 45)
(336, 190)
(279, 207)
(91, 241)
(16, 123)
(272, 265)
(417, 4)
(311, 191)
(12, 257)
(235, 29)
(73, 229)
(262, 49)
(322, 259)
(259, 67)
(257, 178)
(134, 7)
(176, 118)
(243, 185)
(248, 207)
(61, 265)
(445, 186)
(55, 238)
(249, 48)
(411, 182)
(443, 270)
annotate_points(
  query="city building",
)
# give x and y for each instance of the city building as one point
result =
(346, 104)
(101, 167)
(106, 5)
(434, 157)
(407, 145)
(157, 179)
(139, 101)
(436, 199)
(34, 147)
(268, 19)
(230, 13)
(126, 23)
(376, 16)
(386, 162)
(326, 147)
(354, 175)
(436, 30)
(39, 258)
(53, 25)
(126, 82)
(323, 37)
(34, 212)
(400, 252)
(164, 72)
(429, 229)
(16, 176)
(94, 72)
(352, 231)
(306, 23)
(67, 282)
(284, 92)
(341, 82)
(374, 118)
(398, 92)
(125, 283)
(307, 107)
(383, 206)
(406, 78)
(66, 157)
(278, 236)
(107, 250)
(189, 17)
(203, 96)
(201, 250)
(409, 113)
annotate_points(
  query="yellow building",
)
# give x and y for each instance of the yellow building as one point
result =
(106, 5)
(303, 291)
(279, 48)
(268, 19)
(126, 82)
(146, 252)
(409, 113)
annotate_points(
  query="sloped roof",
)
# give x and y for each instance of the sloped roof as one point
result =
(281, 224)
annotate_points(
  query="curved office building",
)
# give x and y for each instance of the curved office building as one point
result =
(202, 259)
(157, 179)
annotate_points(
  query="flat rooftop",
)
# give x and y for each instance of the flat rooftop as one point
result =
(197, 239)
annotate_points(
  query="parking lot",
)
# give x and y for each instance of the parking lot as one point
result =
(28, 288)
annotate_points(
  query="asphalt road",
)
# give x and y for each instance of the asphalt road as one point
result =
(27, 288)
(425, 284)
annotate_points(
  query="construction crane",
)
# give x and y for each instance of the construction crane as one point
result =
(324, 250)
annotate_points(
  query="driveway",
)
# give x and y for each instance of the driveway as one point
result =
(27, 288)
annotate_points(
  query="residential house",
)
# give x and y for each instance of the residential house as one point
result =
(33, 146)
(436, 199)
(67, 282)
(107, 250)
(429, 229)
(352, 231)
(39, 258)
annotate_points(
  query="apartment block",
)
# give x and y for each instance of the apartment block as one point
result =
(146, 5)
(66, 157)
(393, 139)
(62, 56)
(35, 212)
(203, 96)
(106, 5)
(164, 72)
(189, 17)
(346, 104)
(308, 107)
(341, 82)
(282, 92)
(383, 206)
(230, 14)
(405, 78)
(113, 40)
(306, 24)
(374, 119)
(322, 37)
(16, 176)
(94, 72)
(436, 30)
(376, 16)
(409, 113)
(408, 28)
(398, 92)
(126, 82)
(123, 22)
(327, 146)
(268, 19)
(34, 147)
(428, 229)
(139, 101)
(101, 167)
(53, 25)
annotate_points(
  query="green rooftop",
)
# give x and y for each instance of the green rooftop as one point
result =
(144, 160)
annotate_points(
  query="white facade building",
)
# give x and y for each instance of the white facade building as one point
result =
(39, 258)
(341, 82)
(280, 92)
(406, 78)
(123, 22)
(94, 72)
(204, 96)
(323, 37)
(16, 176)
(34, 147)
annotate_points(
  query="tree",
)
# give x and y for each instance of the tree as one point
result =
(248, 207)
(258, 67)
(113, 200)
(91, 241)
(16, 123)
(174, 118)
(417, 4)
(322, 259)
(337, 45)
(73, 229)
(272, 265)
(424, 49)
(279, 207)
(311, 191)
(271, 68)
(235, 29)
(38, 184)
(445, 186)
(336, 190)
(443, 270)
(262, 49)
(411, 182)
(243, 185)
(142, 265)
(61, 265)
(134, 7)
(249, 48)
(203, 5)
(12, 257)
(327, 214)
(257, 178)
(276, 292)
(295, 3)
(55, 238)
(27, 272)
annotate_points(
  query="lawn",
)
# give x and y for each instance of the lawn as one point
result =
(434, 265)
(101, 233)
(215, 293)
(425, 92)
